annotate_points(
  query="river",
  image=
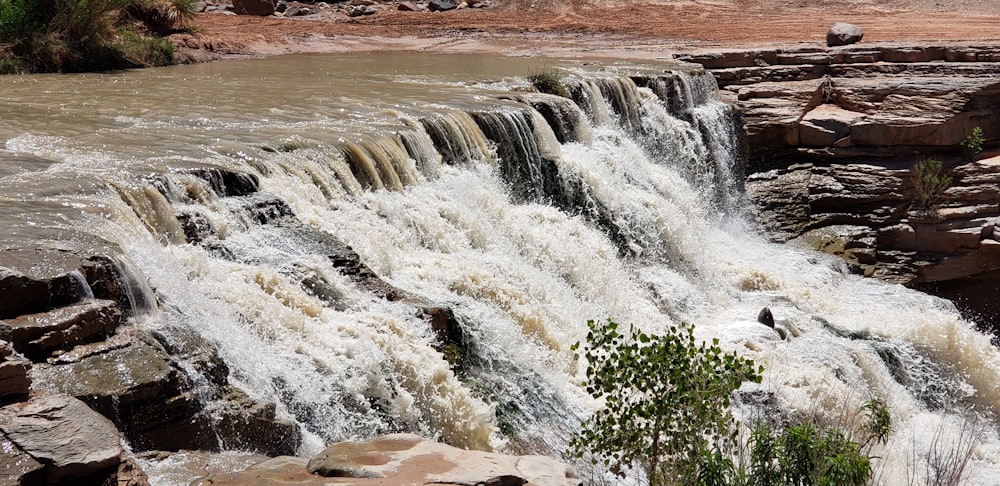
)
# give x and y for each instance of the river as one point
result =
(526, 215)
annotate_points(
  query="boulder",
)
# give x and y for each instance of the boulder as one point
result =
(261, 8)
(441, 5)
(15, 380)
(842, 34)
(401, 459)
(64, 434)
(38, 335)
(407, 7)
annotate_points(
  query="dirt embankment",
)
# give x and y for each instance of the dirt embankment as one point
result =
(601, 28)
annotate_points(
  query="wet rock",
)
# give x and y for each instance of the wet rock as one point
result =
(65, 435)
(842, 34)
(441, 5)
(108, 279)
(15, 380)
(135, 382)
(18, 467)
(128, 380)
(765, 317)
(25, 294)
(196, 226)
(262, 208)
(38, 335)
(261, 8)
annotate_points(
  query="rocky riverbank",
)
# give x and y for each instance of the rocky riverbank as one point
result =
(835, 134)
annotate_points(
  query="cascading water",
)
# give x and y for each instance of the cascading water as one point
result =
(523, 214)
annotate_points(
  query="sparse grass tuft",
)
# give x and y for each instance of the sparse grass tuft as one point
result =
(549, 81)
(930, 180)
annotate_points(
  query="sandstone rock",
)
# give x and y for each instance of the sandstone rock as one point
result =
(408, 458)
(826, 124)
(407, 7)
(128, 380)
(842, 34)
(25, 294)
(132, 380)
(15, 380)
(261, 8)
(65, 435)
(441, 5)
(38, 335)
(17, 467)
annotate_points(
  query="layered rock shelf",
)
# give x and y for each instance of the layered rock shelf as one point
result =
(834, 134)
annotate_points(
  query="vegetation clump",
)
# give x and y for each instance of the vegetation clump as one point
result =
(972, 144)
(549, 81)
(667, 412)
(930, 181)
(88, 35)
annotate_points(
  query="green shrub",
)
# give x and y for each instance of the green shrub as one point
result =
(18, 18)
(930, 180)
(549, 81)
(802, 456)
(667, 410)
(666, 403)
(972, 144)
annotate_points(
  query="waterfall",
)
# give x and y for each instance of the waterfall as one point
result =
(310, 253)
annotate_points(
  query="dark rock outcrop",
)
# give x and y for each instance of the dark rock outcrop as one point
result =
(261, 8)
(136, 383)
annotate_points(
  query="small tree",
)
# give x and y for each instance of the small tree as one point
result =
(666, 403)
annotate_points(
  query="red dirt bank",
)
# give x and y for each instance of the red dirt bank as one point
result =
(596, 28)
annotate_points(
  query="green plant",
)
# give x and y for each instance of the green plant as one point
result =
(666, 403)
(18, 18)
(549, 81)
(145, 51)
(930, 181)
(972, 144)
(800, 455)
(86, 22)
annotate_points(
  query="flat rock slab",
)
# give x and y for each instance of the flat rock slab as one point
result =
(64, 434)
(401, 459)
(37, 335)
